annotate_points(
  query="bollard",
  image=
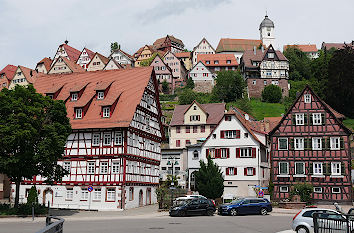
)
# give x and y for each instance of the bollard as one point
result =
(32, 211)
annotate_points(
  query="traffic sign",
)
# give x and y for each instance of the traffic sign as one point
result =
(261, 193)
(90, 188)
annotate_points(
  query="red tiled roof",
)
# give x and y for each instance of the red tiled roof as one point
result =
(126, 54)
(270, 123)
(116, 63)
(328, 46)
(90, 53)
(236, 45)
(9, 71)
(306, 48)
(222, 59)
(72, 53)
(183, 54)
(158, 43)
(128, 85)
(30, 75)
(250, 55)
(103, 58)
(47, 63)
(73, 66)
(215, 112)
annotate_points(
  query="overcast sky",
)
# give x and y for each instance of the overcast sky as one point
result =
(33, 29)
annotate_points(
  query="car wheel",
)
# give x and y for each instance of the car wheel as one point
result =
(182, 213)
(264, 211)
(302, 229)
(233, 212)
(210, 212)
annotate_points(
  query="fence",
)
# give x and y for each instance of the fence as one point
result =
(333, 223)
(53, 227)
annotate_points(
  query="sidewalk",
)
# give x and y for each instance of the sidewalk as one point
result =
(295, 211)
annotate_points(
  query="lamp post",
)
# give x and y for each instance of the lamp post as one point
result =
(172, 161)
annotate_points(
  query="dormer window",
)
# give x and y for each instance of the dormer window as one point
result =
(74, 96)
(216, 62)
(106, 112)
(195, 108)
(78, 113)
(228, 61)
(50, 96)
(19, 73)
(207, 62)
(270, 55)
(307, 98)
(100, 95)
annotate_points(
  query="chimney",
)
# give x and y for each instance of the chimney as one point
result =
(31, 73)
(254, 50)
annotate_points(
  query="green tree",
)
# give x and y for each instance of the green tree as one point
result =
(340, 87)
(299, 64)
(190, 83)
(229, 86)
(271, 94)
(114, 46)
(165, 87)
(32, 195)
(304, 190)
(147, 62)
(187, 96)
(209, 180)
(33, 132)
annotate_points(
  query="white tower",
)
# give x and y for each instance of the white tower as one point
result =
(266, 30)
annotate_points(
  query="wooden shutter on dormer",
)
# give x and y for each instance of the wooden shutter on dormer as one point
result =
(222, 133)
(254, 152)
(237, 152)
(238, 133)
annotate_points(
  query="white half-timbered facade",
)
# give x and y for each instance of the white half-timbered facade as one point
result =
(115, 143)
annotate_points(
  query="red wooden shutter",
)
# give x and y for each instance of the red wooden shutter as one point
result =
(228, 152)
(245, 171)
(254, 171)
(221, 134)
(237, 152)
(219, 153)
(253, 152)
(178, 143)
(207, 153)
(235, 171)
(238, 134)
(198, 117)
(227, 171)
(190, 118)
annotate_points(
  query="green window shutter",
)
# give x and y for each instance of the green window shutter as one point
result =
(342, 168)
(341, 143)
(308, 144)
(305, 143)
(323, 141)
(311, 119)
(292, 143)
(328, 143)
(305, 119)
(310, 168)
(323, 118)
(293, 119)
(327, 169)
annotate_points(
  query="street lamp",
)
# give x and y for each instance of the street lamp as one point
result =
(172, 161)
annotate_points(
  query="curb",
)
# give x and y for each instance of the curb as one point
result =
(21, 216)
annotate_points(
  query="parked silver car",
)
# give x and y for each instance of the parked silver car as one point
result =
(303, 221)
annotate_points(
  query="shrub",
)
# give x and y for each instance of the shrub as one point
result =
(271, 94)
(304, 190)
(190, 83)
(32, 196)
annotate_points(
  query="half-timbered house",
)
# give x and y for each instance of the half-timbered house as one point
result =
(115, 143)
(65, 50)
(62, 65)
(98, 62)
(85, 57)
(310, 144)
(6, 75)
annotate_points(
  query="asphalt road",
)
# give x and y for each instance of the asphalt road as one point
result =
(155, 224)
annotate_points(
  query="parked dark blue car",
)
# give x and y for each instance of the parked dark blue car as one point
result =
(246, 206)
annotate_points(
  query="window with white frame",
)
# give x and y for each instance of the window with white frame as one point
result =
(336, 169)
(317, 189)
(250, 171)
(317, 168)
(230, 134)
(335, 190)
(97, 195)
(107, 139)
(335, 143)
(104, 168)
(245, 152)
(283, 168)
(69, 193)
(284, 189)
(195, 155)
(316, 143)
(316, 119)
(90, 168)
(111, 194)
(78, 113)
(307, 98)
(299, 168)
(118, 138)
(283, 143)
(84, 194)
(300, 118)
(212, 153)
(223, 152)
(74, 96)
(270, 55)
(115, 167)
(299, 143)
(95, 139)
(67, 166)
(106, 112)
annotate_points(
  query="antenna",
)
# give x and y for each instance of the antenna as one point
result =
(266, 13)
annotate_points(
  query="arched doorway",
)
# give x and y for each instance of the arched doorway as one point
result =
(141, 198)
(48, 197)
(148, 196)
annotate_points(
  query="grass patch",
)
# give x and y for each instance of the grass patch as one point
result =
(262, 109)
(23, 209)
(349, 123)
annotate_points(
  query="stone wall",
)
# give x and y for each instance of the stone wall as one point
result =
(255, 90)
(203, 86)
